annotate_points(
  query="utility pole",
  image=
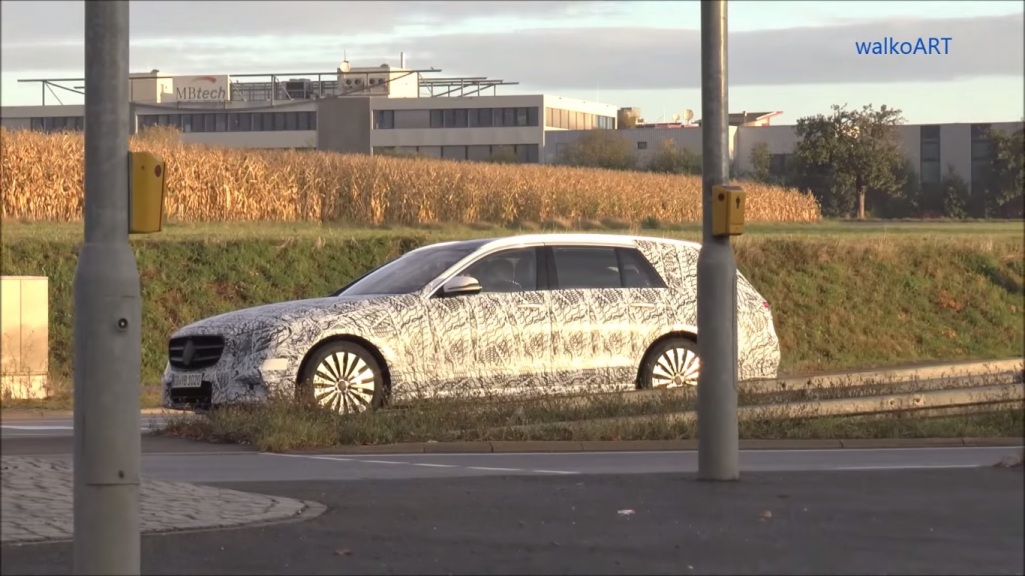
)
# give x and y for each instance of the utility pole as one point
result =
(108, 314)
(718, 442)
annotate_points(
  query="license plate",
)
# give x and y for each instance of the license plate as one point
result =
(187, 381)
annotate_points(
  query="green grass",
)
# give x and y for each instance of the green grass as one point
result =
(844, 295)
(284, 425)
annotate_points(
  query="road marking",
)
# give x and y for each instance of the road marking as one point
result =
(490, 469)
(421, 464)
(431, 465)
(910, 467)
(12, 427)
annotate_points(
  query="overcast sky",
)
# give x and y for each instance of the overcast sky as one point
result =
(798, 57)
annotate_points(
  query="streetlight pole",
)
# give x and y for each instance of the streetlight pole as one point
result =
(718, 442)
(108, 314)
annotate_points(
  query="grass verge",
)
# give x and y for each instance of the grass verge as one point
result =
(844, 295)
(284, 425)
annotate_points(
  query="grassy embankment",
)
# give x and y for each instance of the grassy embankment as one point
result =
(844, 295)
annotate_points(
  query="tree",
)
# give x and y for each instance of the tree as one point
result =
(600, 149)
(761, 163)
(954, 194)
(1007, 173)
(671, 159)
(845, 155)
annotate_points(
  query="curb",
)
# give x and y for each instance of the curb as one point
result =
(923, 372)
(38, 413)
(657, 446)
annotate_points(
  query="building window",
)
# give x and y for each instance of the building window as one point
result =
(642, 145)
(573, 120)
(930, 172)
(57, 123)
(232, 121)
(384, 119)
(453, 152)
(982, 153)
(532, 119)
(929, 168)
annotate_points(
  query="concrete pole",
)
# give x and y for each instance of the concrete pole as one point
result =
(718, 444)
(107, 315)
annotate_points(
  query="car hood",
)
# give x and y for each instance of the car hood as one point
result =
(281, 314)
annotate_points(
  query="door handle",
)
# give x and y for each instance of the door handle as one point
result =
(642, 304)
(531, 306)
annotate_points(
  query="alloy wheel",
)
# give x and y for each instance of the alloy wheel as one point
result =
(344, 383)
(676, 367)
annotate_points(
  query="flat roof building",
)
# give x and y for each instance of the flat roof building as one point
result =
(366, 110)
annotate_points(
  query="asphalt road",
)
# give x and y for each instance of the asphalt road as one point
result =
(849, 511)
(954, 521)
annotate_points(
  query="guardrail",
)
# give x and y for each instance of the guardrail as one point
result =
(970, 390)
(856, 384)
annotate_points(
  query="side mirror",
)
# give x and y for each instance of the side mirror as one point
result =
(460, 286)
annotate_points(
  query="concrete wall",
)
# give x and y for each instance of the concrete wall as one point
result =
(644, 141)
(26, 112)
(272, 139)
(344, 124)
(24, 336)
(418, 109)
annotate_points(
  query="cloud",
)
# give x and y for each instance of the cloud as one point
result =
(625, 58)
(39, 23)
(633, 58)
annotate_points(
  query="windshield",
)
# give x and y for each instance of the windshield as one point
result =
(410, 272)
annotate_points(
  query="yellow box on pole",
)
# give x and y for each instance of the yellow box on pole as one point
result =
(147, 185)
(727, 211)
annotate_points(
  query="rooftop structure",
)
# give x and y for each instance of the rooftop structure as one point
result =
(214, 90)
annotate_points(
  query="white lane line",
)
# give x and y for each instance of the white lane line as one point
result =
(490, 469)
(430, 465)
(648, 453)
(11, 427)
(909, 467)
(422, 464)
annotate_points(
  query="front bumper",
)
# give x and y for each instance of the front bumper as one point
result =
(218, 386)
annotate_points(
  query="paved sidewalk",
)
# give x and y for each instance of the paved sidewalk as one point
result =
(36, 503)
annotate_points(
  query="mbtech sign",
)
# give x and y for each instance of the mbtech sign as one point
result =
(890, 46)
(200, 88)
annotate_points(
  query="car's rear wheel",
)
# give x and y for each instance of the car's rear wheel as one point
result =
(343, 377)
(672, 363)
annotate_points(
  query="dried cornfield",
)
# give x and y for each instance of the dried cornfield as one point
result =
(42, 180)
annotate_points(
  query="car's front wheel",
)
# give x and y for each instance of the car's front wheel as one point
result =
(343, 377)
(672, 363)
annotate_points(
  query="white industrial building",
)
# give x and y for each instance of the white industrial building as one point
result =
(929, 147)
(387, 109)
(357, 110)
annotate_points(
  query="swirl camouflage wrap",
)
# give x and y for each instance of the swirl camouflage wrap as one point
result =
(551, 312)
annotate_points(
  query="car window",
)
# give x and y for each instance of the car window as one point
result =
(586, 267)
(637, 271)
(411, 272)
(506, 271)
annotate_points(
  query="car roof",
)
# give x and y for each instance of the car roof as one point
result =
(579, 238)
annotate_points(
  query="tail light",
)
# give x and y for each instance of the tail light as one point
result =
(765, 303)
